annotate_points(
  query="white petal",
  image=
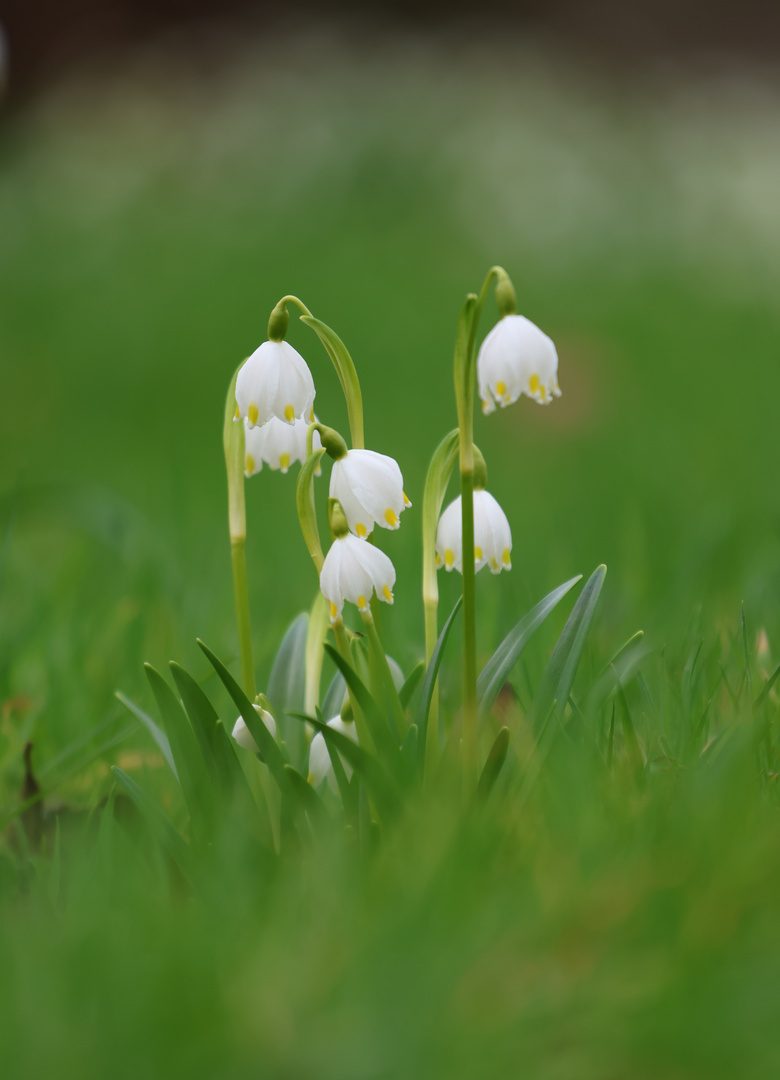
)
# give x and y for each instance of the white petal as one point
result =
(492, 534)
(320, 764)
(274, 381)
(359, 519)
(352, 570)
(257, 384)
(370, 487)
(295, 394)
(449, 543)
(319, 760)
(330, 579)
(516, 358)
(241, 732)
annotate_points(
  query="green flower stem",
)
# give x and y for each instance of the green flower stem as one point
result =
(436, 480)
(465, 377)
(342, 362)
(241, 592)
(307, 514)
(383, 687)
(464, 396)
(342, 644)
(233, 443)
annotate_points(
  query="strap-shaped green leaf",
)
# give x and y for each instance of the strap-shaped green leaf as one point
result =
(159, 736)
(272, 755)
(345, 369)
(214, 740)
(411, 683)
(377, 781)
(170, 838)
(201, 714)
(375, 721)
(499, 665)
(287, 683)
(494, 764)
(307, 797)
(558, 678)
(196, 784)
(426, 694)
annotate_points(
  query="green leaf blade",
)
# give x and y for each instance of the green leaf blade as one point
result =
(494, 673)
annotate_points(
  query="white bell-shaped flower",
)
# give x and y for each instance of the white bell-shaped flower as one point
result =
(516, 358)
(274, 381)
(276, 444)
(370, 488)
(492, 535)
(352, 570)
(320, 764)
(242, 734)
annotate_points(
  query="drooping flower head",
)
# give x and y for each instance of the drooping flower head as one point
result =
(370, 488)
(492, 535)
(274, 381)
(320, 764)
(275, 444)
(242, 734)
(516, 358)
(353, 569)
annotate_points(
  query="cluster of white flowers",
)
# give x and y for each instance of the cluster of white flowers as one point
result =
(275, 401)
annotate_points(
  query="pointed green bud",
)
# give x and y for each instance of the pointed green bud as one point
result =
(264, 703)
(506, 297)
(278, 322)
(480, 470)
(331, 441)
(337, 519)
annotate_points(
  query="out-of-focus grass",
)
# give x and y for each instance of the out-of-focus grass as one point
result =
(149, 221)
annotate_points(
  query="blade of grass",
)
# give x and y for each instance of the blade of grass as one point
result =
(429, 742)
(159, 736)
(494, 673)
(377, 781)
(375, 721)
(411, 683)
(558, 677)
(494, 763)
(170, 838)
(195, 784)
(266, 743)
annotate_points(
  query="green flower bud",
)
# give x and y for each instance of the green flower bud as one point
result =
(506, 297)
(278, 322)
(337, 519)
(480, 470)
(331, 441)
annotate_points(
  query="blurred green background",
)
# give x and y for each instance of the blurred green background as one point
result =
(151, 213)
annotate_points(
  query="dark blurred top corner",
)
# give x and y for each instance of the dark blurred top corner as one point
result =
(43, 38)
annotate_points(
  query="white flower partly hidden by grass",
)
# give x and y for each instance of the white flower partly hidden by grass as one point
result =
(274, 381)
(516, 358)
(370, 488)
(352, 570)
(492, 535)
(320, 764)
(242, 734)
(276, 444)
